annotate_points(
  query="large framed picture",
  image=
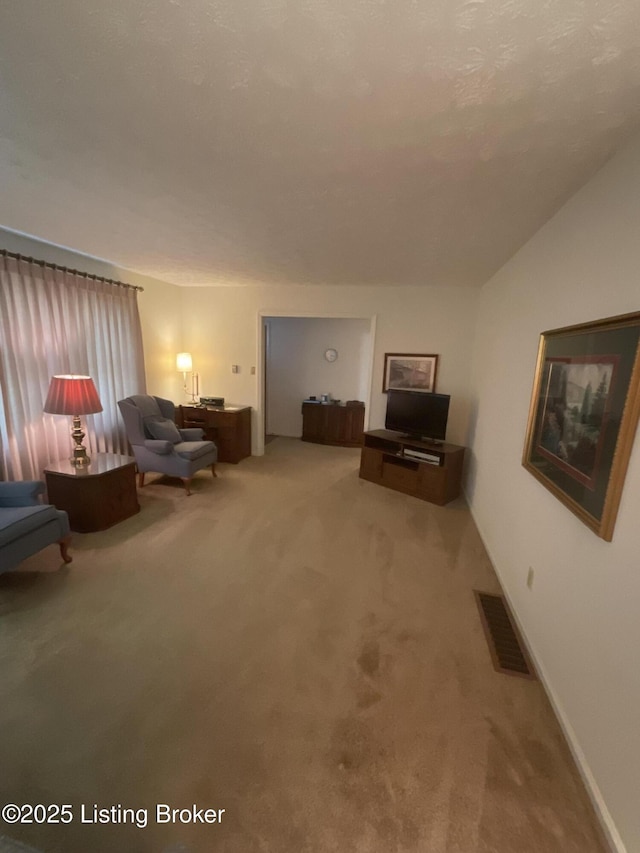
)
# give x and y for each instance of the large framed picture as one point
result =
(409, 372)
(584, 414)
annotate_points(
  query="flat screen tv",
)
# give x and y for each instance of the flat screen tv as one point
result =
(417, 414)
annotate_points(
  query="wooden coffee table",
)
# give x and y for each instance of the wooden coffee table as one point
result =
(97, 495)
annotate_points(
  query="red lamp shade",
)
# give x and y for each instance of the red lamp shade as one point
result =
(72, 395)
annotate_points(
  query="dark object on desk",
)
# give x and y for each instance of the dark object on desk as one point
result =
(212, 401)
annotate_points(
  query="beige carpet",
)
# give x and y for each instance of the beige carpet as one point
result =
(291, 644)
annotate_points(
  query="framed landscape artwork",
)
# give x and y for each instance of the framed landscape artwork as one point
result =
(584, 414)
(409, 372)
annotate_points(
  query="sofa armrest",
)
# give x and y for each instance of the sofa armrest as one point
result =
(157, 445)
(192, 434)
(23, 493)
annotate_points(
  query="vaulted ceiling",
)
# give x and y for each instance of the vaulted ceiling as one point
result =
(308, 141)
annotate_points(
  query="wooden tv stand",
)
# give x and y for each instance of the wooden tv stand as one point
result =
(385, 460)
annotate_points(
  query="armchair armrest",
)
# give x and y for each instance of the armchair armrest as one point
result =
(192, 434)
(157, 445)
(23, 493)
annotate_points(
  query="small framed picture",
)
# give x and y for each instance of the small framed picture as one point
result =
(583, 416)
(409, 372)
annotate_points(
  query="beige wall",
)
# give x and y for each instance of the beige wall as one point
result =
(581, 615)
(221, 328)
(160, 307)
(161, 319)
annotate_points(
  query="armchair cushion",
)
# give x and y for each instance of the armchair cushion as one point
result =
(193, 449)
(158, 446)
(20, 520)
(163, 429)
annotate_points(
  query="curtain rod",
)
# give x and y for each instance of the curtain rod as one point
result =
(19, 257)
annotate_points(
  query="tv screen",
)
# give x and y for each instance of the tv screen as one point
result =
(418, 414)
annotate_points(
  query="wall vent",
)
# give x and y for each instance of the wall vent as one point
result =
(507, 650)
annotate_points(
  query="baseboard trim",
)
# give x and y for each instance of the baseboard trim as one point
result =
(611, 836)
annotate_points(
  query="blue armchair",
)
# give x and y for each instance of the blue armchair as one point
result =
(27, 525)
(158, 444)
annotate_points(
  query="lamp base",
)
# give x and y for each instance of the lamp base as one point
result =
(79, 457)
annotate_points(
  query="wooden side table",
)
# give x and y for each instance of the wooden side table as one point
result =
(97, 495)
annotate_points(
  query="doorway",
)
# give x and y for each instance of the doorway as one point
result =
(310, 355)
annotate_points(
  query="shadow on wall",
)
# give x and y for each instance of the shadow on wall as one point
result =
(470, 460)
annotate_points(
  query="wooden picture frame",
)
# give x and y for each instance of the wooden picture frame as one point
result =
(409, 372)
(583, 416)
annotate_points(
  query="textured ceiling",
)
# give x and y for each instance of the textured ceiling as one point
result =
(308, 141)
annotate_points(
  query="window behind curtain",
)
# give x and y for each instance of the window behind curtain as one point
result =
(53, 321)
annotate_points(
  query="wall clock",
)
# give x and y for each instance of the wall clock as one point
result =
(331, 354)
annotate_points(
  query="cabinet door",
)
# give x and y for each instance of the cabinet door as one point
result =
(225, 432)
(431, 483)
(313, 416)
(336, 424)
(371, 464)
(354, 424)
(243, 437)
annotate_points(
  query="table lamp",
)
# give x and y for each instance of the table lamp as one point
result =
(75, 396)
(184, 363)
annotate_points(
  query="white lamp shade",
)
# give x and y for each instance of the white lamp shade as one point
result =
(183, 362)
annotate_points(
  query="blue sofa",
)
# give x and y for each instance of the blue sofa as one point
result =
(27, 525)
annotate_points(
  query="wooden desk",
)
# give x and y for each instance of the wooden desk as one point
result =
(386, 459)
(228, 426)
(332, 423)
(95, 496)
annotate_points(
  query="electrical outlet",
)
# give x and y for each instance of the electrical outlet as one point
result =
(235, 368)
(530, 574)
(253, 371)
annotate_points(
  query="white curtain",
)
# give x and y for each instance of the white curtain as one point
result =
(54, 321)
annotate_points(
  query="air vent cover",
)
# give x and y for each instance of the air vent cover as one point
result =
(507, 650)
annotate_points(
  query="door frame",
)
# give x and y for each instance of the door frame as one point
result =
(261, 366)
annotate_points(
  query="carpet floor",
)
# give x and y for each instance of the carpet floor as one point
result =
(293, 645)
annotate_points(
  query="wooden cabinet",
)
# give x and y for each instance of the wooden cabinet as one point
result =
(420, 468)
(332, 423)
(228, 426)
(95, 496)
